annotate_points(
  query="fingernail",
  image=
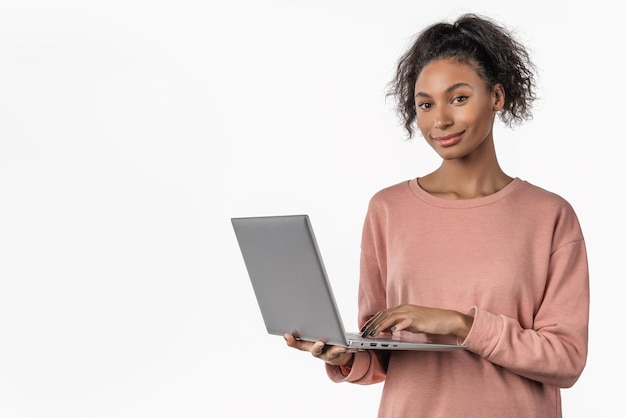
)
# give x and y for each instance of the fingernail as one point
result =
(393, 328)
(363, 328)
(372, 332)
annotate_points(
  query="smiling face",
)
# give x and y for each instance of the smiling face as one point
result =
(455, 109)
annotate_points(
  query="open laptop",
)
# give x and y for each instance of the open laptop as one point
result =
(292, 288)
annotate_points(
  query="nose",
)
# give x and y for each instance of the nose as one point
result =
(443, 118)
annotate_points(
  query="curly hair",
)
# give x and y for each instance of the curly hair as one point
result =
(479, 42)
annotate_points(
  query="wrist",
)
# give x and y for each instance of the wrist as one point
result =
(346, 367)
(349, 359)
(464, 325)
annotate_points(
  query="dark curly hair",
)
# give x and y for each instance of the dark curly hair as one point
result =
(477, 41)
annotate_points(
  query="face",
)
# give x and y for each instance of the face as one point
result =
(455, 110)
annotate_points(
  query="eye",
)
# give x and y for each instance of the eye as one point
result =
(459, 99)
(424, 106)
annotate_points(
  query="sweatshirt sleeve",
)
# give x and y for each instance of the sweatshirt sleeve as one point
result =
(366, 370)
(554, 351)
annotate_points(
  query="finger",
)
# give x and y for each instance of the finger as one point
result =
(298, 344)
(340, 356)
(369, 321)
(318, 348)
(370, 324)
(335, 353)
(291, 340)
(399, 326)
(381, 321)
(384, 322)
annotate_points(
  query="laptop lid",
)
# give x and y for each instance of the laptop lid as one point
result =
(289, 278)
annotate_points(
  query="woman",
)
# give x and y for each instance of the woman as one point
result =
(468, 252)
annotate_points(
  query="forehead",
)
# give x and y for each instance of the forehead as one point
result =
(443, 73)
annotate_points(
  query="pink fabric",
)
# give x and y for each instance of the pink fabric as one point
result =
(516, 261)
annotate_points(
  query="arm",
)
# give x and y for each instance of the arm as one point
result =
(554, 351)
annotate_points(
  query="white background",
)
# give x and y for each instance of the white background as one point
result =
(131, 131)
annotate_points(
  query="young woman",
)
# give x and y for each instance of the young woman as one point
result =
(468, 252)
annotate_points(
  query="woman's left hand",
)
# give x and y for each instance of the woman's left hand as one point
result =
(419, 319)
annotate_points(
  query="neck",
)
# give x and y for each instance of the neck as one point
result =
(466, 178)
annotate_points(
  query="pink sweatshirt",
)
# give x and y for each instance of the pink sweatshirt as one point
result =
(516, 261)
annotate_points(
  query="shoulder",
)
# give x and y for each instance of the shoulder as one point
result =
(542, 198)
(548, 206)
(391, 193)
(397, 197)
(389, 203)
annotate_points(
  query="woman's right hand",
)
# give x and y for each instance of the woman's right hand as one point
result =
(332, 354)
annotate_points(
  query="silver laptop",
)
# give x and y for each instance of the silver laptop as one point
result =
(293, 291)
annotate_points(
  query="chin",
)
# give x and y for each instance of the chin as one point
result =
(448, 155)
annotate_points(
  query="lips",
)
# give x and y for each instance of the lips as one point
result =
(449, 140)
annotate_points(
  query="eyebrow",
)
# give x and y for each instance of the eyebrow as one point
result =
(448, 90)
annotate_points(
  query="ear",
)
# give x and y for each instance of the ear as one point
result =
(498, 97)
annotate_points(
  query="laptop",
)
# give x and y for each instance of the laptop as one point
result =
(293, 291)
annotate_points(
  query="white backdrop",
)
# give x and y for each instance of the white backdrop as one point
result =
(131, 131)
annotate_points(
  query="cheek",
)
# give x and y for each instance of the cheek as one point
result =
(466, 115)
(423, 121)
(472, 118)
